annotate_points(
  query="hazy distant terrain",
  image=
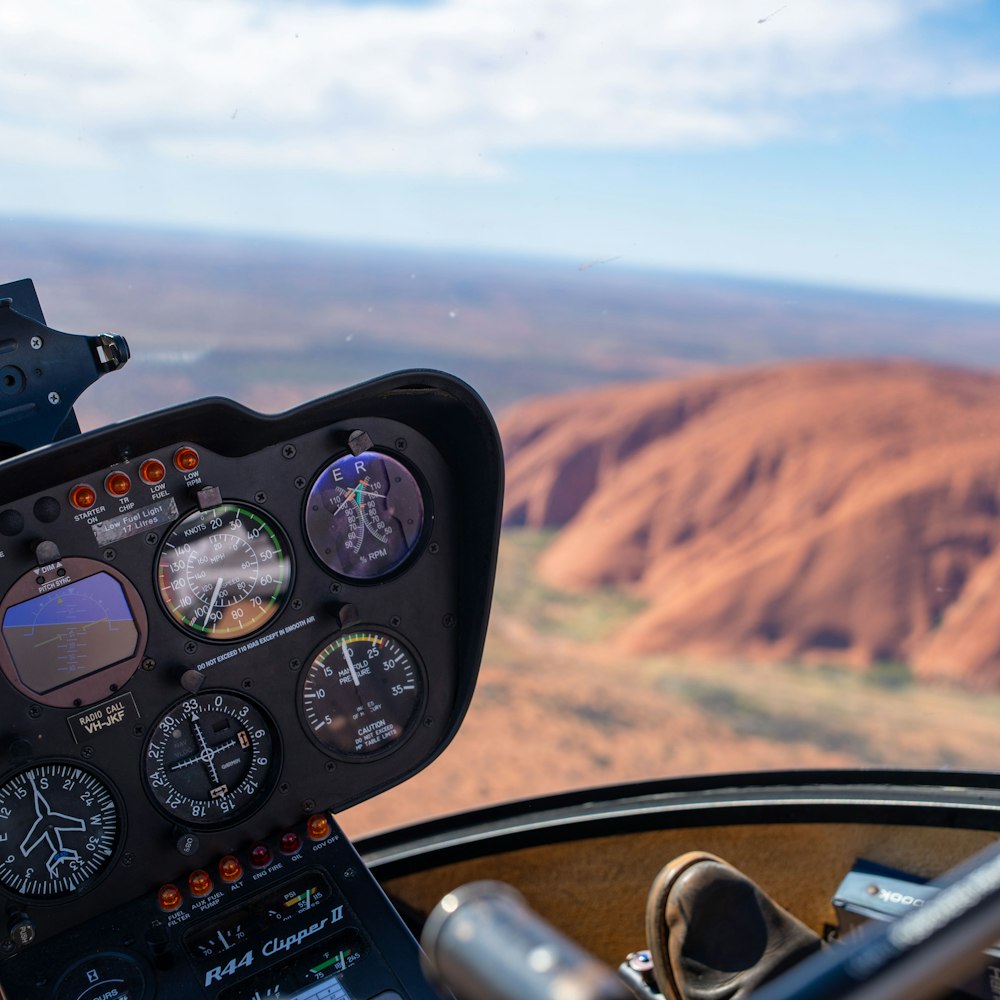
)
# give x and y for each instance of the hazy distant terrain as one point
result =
(274, 323)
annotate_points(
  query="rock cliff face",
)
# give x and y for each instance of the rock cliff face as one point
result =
(837, 512)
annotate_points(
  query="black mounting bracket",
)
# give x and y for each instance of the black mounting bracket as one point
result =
(43, 372)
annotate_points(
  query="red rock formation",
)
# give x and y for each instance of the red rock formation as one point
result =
(843, 512)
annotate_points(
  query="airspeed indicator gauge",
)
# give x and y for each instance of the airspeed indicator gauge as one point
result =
(225, 572)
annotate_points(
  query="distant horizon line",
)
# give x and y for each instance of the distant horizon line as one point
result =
(619, 262)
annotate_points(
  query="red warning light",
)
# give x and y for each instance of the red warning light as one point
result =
(291, 843)
(260, 856)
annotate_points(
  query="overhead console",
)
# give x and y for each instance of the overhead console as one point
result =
(216, 629)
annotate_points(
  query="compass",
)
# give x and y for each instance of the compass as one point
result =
(59, 830)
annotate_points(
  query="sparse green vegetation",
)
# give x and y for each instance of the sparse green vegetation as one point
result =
(881, 715)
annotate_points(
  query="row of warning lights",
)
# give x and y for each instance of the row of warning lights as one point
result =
(152, 472)
(200, 883)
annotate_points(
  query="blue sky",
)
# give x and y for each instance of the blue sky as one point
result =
(846, 142)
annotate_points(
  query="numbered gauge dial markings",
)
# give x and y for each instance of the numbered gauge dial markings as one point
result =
(361, 694)
(210, 759)
(224, 572)
(365, 515)
(59, 830)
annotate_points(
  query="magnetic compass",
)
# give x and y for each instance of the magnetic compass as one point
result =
(365, 515)
(59, 830)
(210, 759)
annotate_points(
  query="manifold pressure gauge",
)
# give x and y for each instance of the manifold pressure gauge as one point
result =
(210, 759)
(361, 694)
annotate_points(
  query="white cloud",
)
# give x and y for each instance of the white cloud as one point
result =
(453, 87)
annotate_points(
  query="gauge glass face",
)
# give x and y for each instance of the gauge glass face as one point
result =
(225, 572)
(210, 759)
(59, 829)
(361, 694)
(364, 515)
(69, 633)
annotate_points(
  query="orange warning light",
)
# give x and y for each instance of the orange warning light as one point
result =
(186, 459)
(318, 827)
(83, 497)
(118, 484)
(152, 471)
(230, 869)
(200, 883)
(169, 898)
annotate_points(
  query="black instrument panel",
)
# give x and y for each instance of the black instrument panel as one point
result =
(214, 622)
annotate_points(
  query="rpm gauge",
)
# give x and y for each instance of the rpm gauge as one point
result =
(59, 830)
(365, 515)
(210, 759)
(224, 572)
(361, 694)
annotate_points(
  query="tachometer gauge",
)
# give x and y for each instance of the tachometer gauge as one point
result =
(364, 515)
(59, 830)
(210, 760)
(224, 572)
(361, 694)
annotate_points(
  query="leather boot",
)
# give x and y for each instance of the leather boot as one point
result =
(715, 935)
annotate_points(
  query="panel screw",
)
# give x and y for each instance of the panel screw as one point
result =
(86, 752)
(190, 647)
(294, 664)
(331, 765)
(308, 806)
(349, 873)
(428, 723)
(36, 343)
(110, 555)
(289, 451)
(149, 663)
(151, 538)
(260, 497)
(297, 605)
(434, 548)
(394, 621)
(137, 730)
(300, 483)
(128, 859)
(448, 620)
(400, 444)
(247, 683)
(34, 712)
(334, 588)
(54, 398)
(283, 788)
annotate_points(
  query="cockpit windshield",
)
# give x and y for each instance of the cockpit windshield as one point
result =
(724, 271)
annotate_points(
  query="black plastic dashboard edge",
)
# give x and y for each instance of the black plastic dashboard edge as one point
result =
(969, 800)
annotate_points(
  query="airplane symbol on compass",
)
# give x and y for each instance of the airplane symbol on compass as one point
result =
(48, 828)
